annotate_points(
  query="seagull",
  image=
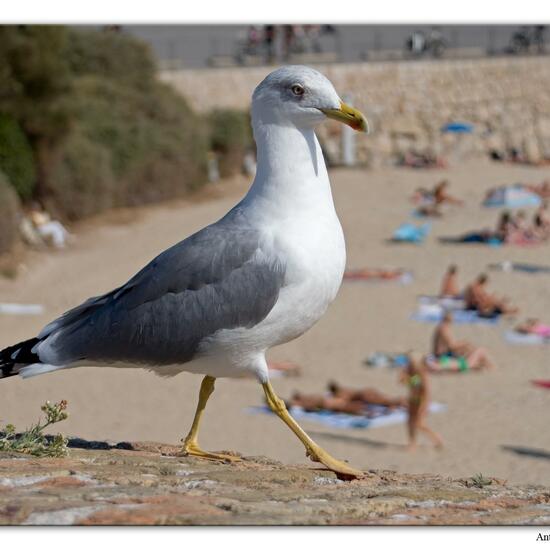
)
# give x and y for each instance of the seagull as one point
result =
(215, 302)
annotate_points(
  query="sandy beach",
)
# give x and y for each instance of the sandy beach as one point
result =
(487, 412)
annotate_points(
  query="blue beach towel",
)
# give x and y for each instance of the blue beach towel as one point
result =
(410, 233)
(381, 360)
(382, 416)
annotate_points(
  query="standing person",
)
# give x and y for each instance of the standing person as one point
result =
(449, 284)
(269, 41)
(416, 377)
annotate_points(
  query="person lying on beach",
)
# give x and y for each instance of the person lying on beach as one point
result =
(286, 368)
(416, 377)
(449, 284)
(487, 305)
(431, 201)
(522, 231)
(534, 326)
(441, 195)
(368, 396)
(450, 354)
(413, 159)
(373, 273)
(316, 403)
(542, 189)
(345, 400)
(422, 195)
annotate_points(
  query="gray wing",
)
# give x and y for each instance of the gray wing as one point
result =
(218, 278)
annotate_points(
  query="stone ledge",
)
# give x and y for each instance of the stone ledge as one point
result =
(150, 485)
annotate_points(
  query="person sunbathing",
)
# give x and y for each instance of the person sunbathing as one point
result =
(422, 196)
(449, 285)
(367, 396)
(317, 403)
(345, 400)
(286, 368)
(441, 195)
(506, 229)
(454, 355)
(521, 230)
(373, 273)
(487, 305)
(542, 189)
(534, 326)
(416, 377)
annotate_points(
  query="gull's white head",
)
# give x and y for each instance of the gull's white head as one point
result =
(302, 97)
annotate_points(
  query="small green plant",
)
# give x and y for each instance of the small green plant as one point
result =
(33, 441)
(479, 481)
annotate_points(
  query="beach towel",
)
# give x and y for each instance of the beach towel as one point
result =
(521, 267)
(542, 383)
(383, 360)
(381, 416)
(446, 302)
(433, 313)
(512, 196)
(522, 339)
(410, 233)
(355, 275)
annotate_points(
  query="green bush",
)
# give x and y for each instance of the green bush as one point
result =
(80, 182)
(110, 55)
(36, 79)
(103, 130)
(16, 157)
(9, 215)
(156, 143)
(230, 138)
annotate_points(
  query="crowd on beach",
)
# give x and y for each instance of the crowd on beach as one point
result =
(447, 354)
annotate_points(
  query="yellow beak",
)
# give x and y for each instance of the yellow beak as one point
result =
(350, 116)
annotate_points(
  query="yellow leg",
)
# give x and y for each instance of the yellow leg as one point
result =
(313, 451)
(190, 443)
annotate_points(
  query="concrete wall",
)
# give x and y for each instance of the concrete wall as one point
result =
(507, 100)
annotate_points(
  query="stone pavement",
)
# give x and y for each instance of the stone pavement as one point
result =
(146, 484)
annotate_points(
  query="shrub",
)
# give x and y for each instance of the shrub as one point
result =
(9, 215)
(230, 138)
(16, 157)
(110, 55)
(80, 182)
(156, 143)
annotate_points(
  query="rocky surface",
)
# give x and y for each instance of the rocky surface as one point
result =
(408, 102)
(147, 484)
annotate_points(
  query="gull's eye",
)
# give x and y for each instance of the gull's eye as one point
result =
(297, 89)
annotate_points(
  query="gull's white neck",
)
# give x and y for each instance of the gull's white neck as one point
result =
(291, 171)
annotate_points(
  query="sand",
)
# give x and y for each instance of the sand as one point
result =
(486, 411)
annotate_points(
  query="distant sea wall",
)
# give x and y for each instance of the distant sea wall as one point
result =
(507, 99)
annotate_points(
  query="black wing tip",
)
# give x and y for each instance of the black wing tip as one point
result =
(10, 366)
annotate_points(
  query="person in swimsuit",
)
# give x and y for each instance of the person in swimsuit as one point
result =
(487, 305)
(415, 376)
(451, 354)
(534, 326)
(449, 285)
(368, 396)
